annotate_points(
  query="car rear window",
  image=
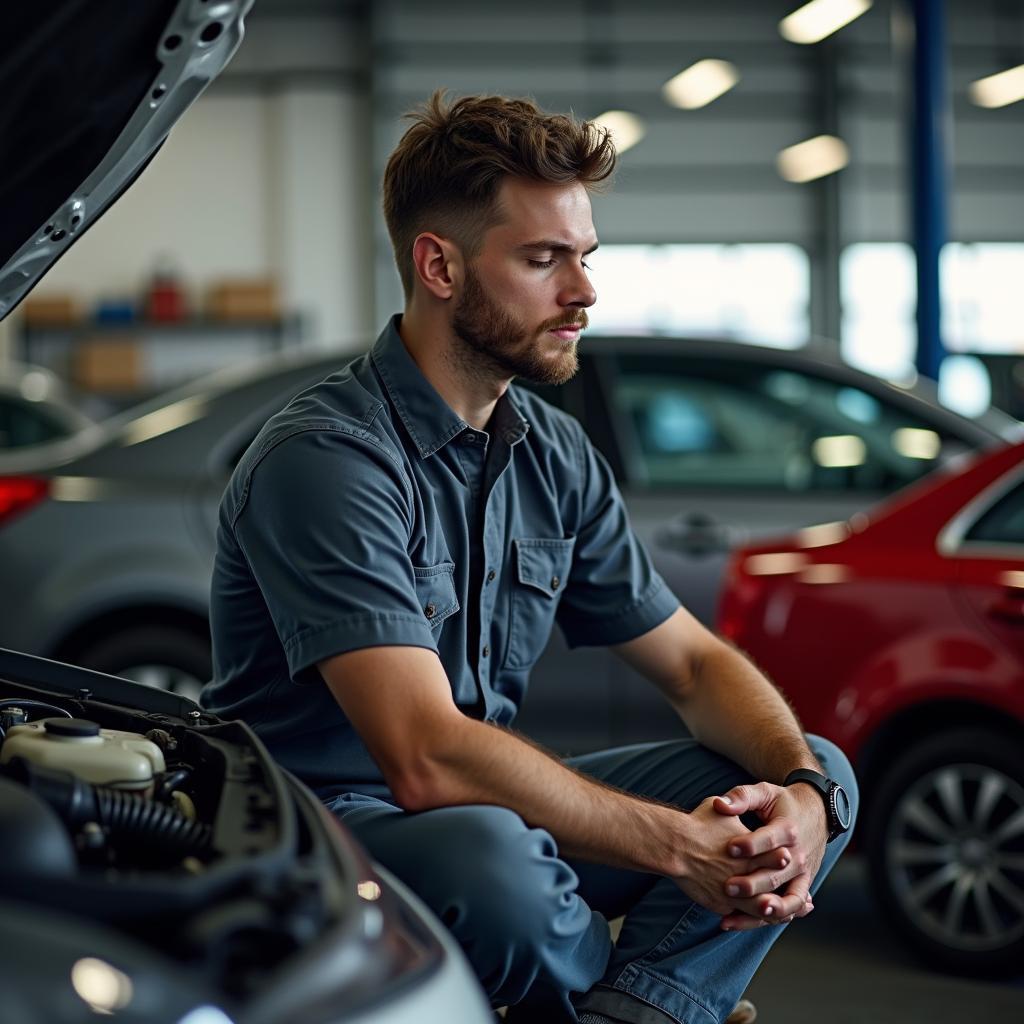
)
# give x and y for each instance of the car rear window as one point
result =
(1003, 523)
(22, 424)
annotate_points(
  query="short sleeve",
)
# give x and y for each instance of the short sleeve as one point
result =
(614, 593)
(325, 530)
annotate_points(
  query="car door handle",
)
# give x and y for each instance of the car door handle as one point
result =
(1009, 608)
(696, 535)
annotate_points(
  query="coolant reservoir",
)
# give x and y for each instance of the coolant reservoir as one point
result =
(104, 757)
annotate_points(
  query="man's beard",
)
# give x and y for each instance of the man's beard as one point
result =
(497, 343)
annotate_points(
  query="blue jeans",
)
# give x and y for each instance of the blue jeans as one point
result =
(535, 926)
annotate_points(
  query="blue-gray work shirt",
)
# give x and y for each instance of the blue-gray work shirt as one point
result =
(367, 513)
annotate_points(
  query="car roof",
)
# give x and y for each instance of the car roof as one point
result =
(817, 354)
(211, 401)
(38, 386)
(931, 502)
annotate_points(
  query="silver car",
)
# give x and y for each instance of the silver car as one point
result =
(714, 443)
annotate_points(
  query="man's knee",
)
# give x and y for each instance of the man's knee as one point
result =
(512, 876)
(497, 875)
(506, 896)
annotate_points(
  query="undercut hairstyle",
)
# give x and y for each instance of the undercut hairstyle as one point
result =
(445, 173)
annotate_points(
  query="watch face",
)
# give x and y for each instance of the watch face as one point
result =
(841, 805)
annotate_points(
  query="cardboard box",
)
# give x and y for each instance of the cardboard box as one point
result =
(240, 300)
(57, 309)
(108, 365)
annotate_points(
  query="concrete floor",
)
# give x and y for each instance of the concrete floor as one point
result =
(842, 965)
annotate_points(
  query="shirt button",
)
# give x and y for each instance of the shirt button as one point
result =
(486, 651)
(430, 611)
(468, 438)
(491, 576)
(555, 582)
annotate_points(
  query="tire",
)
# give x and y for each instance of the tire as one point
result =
(945, 843)
(168, 657)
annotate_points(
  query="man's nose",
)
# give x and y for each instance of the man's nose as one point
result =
(578, 290)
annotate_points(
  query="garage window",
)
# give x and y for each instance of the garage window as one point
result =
(758, 293)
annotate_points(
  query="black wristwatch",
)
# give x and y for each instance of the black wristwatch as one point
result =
(837, 804)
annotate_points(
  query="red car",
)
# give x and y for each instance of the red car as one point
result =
(900, 636)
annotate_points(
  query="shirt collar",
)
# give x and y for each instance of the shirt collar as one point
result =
(427, 416)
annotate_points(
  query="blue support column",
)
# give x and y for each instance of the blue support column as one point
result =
(930, 119)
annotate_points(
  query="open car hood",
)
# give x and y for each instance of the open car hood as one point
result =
(89, 91)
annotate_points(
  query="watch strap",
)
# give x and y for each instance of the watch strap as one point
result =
(820, 782)
(827, 788)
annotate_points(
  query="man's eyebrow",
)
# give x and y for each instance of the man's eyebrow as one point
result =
(551, 245)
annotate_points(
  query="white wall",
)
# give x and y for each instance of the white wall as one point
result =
(203, 203)
(251, 182)
(320, 202)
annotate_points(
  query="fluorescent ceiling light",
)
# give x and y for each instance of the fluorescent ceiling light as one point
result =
(626, 129)
(917, 443)
(700, 83)
(34, 386)
(824, 154)
(839, 451)
(820, 18)
(998, 90)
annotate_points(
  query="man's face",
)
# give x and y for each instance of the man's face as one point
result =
(524, 300)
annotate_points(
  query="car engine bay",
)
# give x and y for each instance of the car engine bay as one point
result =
(181, 835)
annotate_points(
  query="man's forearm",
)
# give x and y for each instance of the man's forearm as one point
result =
(482, 764)
(733, 709)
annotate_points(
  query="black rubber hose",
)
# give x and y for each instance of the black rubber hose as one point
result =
(170, 782)
(132, 818)
(126, 817)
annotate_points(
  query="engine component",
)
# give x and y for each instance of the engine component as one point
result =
(159, 832)
(15, 711)
(31, 835)
(105, 757)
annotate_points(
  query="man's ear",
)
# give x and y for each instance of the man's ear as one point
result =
(438, 264)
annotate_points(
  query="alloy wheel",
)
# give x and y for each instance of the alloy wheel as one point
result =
(954, 850)
(165, 677)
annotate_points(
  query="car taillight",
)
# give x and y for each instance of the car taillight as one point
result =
(20, 493)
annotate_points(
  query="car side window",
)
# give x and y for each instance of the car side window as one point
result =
(21, 425)
(725, 424)
(1003, 523)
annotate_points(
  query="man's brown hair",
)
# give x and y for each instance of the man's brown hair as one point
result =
(445, 173)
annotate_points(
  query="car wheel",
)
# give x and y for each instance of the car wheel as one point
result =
(945, 839)
(166, 657)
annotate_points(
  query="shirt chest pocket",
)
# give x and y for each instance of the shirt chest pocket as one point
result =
(435, 591)
(541, 572)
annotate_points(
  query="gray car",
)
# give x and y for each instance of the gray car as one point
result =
(112, 533)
